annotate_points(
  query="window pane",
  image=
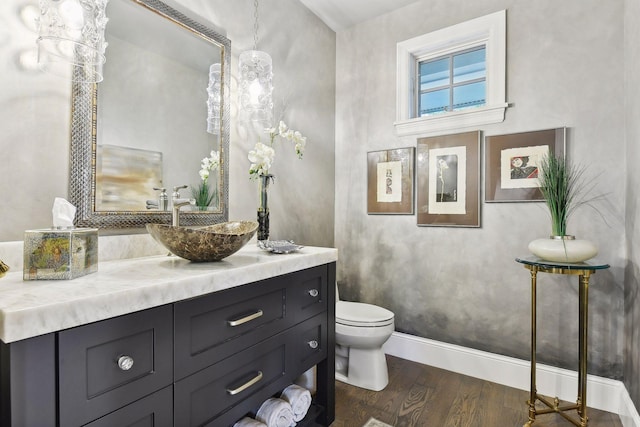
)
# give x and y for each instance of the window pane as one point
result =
(433, 102)
(469, 66)
(469, 95)
(434, 74)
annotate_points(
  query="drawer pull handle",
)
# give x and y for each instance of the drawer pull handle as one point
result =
(246, 385)
(125, 362)
(313, 292)
(245, 319)
(313, 344)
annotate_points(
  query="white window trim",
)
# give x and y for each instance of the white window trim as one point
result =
(489, 30)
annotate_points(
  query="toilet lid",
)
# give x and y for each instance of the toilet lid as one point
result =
(361, 314)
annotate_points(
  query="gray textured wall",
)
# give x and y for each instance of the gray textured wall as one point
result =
(454, 285)
(461, 285)
(35, 109)
(34, 127)
(632, 277)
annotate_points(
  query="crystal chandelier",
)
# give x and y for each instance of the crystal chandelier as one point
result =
(256, 84)
(214, 99)
(72, 32)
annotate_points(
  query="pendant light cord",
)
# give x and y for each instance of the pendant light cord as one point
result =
(255, 25)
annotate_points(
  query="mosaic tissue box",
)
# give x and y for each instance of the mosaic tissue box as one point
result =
(60, 254)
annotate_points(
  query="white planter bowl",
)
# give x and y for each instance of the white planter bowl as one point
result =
(563, 249)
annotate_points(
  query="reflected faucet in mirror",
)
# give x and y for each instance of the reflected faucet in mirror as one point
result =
(163, 199)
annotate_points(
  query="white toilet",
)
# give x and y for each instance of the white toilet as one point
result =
(361, 330)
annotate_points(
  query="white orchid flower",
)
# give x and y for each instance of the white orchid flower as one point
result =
(300, 145)
(262, 156)
(282, 128)
(208, 164)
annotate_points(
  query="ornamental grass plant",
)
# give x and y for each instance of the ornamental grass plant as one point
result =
(563, 186)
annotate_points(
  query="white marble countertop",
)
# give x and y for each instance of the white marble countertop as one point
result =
(32, 308)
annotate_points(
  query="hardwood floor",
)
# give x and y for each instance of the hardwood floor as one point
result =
(423, 396)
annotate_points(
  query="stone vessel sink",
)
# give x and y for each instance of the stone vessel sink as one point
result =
(201, 244)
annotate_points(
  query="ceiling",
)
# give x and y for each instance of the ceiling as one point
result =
(341, 14)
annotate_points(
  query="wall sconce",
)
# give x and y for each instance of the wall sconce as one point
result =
(214, 99)
(72, 32)
(256, 82)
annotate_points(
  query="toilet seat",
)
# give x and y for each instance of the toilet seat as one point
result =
(362, 315)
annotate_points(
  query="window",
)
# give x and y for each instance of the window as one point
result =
(452, 78)
(452, 83)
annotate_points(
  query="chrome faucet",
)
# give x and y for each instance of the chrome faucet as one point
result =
(175, 196)
(177, 203)
(175, 217)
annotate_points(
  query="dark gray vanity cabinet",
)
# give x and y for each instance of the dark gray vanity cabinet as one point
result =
(208, 361)
(237, 348)
(106, 365)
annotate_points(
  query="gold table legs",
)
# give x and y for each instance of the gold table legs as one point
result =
(554, 406)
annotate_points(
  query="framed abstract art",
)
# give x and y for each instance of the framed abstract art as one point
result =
(511, 164)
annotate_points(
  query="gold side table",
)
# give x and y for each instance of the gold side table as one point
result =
(584, 270)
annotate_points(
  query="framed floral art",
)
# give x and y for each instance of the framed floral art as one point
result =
(390, 181)
(511, 164)
(448, 184)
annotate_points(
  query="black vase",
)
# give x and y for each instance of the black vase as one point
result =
(263, 207)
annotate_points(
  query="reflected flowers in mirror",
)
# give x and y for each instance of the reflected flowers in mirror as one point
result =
(205, 193)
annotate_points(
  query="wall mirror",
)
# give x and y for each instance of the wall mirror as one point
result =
(146, 125)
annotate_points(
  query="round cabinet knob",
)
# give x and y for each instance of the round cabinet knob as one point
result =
(313, 292)
(125, 362)
(313, 344)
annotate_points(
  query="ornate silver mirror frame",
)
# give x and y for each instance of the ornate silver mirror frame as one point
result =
(82, 168)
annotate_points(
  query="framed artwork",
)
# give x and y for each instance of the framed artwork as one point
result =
(390, 181)
(511, 164)
(448, 170)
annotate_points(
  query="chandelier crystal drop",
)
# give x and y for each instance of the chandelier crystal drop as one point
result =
(214, 99)
(256, 82)
(71, 32)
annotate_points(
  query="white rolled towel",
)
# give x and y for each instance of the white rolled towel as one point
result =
(299, 398)
(249, 422)
(276, 413)
(308, 380)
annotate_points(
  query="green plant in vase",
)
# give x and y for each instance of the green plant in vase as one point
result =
(563, 187)
(203, 193)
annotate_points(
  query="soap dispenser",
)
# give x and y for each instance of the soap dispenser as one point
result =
(163, 199)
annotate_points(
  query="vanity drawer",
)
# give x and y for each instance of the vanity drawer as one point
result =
(253, 375)
(106, 365)
(309, 343)
(155, 410)
(308, 293)
(211, 328)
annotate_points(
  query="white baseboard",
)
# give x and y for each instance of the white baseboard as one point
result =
(628, 412)
(603, 393)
